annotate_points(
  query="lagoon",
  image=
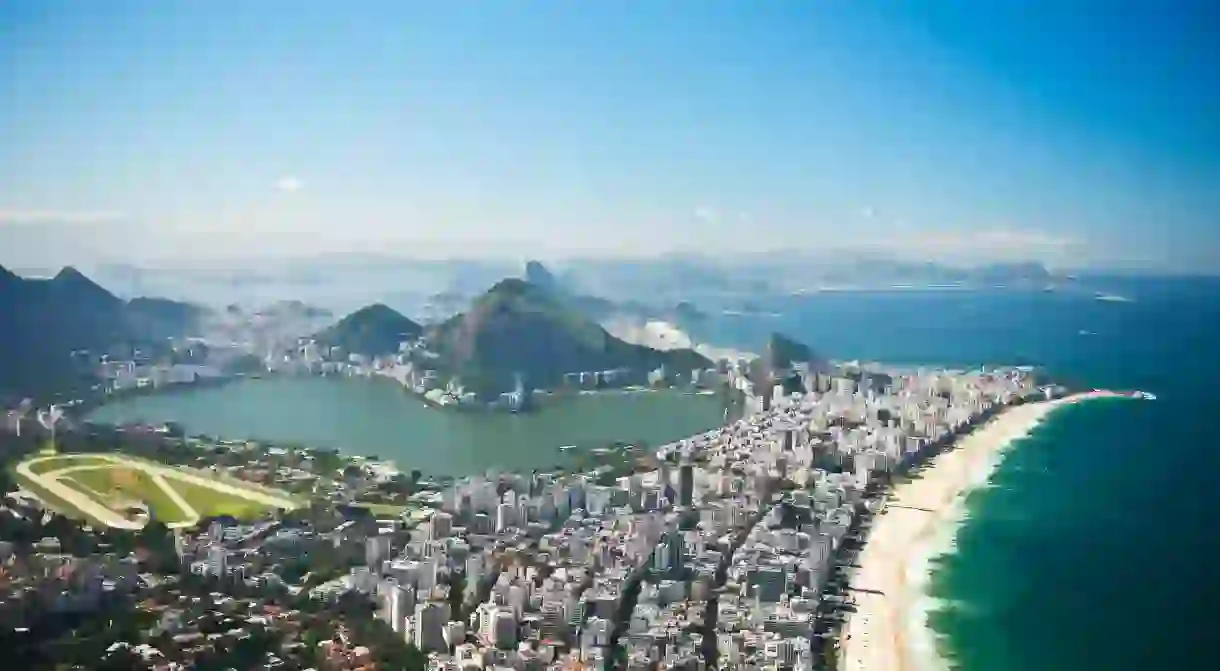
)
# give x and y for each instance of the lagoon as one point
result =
(376, 417)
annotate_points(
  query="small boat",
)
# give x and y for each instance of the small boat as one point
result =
(565, 448)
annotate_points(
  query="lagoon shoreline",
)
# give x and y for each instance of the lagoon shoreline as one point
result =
(888, 630)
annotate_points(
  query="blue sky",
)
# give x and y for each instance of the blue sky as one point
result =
(1078, 132)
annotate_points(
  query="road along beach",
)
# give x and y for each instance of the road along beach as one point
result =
(888, 630)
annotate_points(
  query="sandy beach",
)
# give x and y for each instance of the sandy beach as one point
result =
(888, 631)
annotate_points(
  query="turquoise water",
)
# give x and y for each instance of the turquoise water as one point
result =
(1095, 545)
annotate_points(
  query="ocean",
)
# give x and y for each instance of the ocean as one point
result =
(1091, 548)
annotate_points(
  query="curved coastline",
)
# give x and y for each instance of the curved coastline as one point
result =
(889, 629)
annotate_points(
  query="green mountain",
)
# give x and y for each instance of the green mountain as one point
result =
(47, 320)
(521, 328)
(375, 330)
(164, 318)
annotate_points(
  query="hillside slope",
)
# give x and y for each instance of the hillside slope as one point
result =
(520, 328)
(47, 320)
(375, 330)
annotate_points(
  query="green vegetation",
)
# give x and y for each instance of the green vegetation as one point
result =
(67, 461)
(382, 509)
(51, 500)
(210, 502)
(121, 484)
(47, 320)
(518, 327)
(375, 330)
(115, 486)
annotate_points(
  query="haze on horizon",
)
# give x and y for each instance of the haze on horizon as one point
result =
(1082, 135)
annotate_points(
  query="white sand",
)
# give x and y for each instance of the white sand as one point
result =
(888, 631)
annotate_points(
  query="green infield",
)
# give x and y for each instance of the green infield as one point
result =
(60, 462)
(382, 509)
(210, 502)
(120, 488)
(113, 488)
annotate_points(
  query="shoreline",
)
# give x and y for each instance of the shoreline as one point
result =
(556, 457)
(889, 630)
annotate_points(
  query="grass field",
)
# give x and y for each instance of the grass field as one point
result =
(210, 502)
(382, 509)
(67, 461)
(118, 483)
(50, 499)
(117, 487)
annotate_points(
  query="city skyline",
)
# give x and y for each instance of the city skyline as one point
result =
(1079, 135)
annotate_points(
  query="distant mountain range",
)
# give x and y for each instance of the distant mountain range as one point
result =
(760, 275)
(431, 290)
(515, 328)
(46, 321)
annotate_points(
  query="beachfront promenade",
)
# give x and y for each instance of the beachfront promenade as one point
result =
(888, 630)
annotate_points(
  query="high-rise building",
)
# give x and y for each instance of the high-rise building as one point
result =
(686, 485)
(486, 616)
(217, 560)
(554, 626)
(455, 633)
(505, 516)
(504, 628)
(376, 549)
(429, 626)
(442, 524)
(474, 568)
(398, 604)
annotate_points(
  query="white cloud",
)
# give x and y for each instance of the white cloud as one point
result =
(289, 184)
(60, 216)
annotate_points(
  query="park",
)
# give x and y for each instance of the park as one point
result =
(121, 491)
